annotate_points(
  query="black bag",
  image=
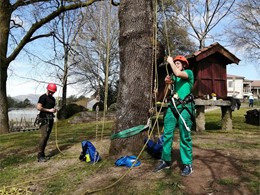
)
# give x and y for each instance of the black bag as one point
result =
(37, 121)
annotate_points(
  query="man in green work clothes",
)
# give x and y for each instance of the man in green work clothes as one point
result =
(179, 113)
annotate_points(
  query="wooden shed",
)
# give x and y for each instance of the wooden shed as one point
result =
(209, 68)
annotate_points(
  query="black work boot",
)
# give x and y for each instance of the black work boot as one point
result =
(46, 157)
(42, 159)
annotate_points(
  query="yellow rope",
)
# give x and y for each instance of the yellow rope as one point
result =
(154, 68)
(166, 36)
(155, 62)
(107, 68)
(155, 123)
(165, 28)
(42, 179)
(99, 65)
(56, 126)
(137, 158)
(149, 136)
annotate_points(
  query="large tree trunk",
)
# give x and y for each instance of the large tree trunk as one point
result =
(135, 43)
(4, 125)
(4, 32)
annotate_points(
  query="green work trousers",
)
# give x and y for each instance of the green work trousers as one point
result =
(171, 120)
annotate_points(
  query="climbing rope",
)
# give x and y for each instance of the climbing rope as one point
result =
(107, 68)
(150, 131)
(14, 189)
(166, 35)
(155, 92)
(137, 158)
(56, 127)
(98, 79)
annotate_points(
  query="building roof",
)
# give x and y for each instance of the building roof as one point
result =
(215, 48)
(230, 76)
(255, 83)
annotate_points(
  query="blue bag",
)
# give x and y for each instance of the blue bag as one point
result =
(89, 153)
(154, 148)
(127, 161)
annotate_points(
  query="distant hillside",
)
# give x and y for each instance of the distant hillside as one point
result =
(32, 97)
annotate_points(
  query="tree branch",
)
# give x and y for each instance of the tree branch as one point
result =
(115, 3)
(40, 36)
(26, 39)
(20, 3)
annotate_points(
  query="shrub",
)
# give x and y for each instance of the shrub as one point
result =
(112, 107)
(69, 110)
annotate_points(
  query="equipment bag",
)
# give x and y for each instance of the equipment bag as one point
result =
(89, 153)
(129, 161)
(154, 148)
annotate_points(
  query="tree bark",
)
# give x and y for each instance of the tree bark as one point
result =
(133, 102)
(4, 124)
(5, 15)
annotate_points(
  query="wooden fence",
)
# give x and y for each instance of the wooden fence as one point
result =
(22, 125)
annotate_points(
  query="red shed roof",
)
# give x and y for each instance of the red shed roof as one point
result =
(213, 49)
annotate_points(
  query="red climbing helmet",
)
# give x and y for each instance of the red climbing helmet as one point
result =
(52, 87)
(182, 59)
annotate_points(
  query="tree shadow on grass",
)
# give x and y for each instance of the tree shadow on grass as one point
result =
(218, 172)
(59, 150)
(212, 126)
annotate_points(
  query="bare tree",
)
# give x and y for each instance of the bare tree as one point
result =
(172, 32)
(65, 28)
(20, 24)
(202, 16)
(98, 44)
(245, 31)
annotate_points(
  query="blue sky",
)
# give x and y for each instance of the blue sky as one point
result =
(245, 69)
(21, 86)
(248, 69)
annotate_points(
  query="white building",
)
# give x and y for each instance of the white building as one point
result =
(239, 87)
(235, 86)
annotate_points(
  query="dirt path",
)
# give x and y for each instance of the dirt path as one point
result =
(216, 172)
(211, 167)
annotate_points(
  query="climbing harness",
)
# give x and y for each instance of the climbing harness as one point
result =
(179, 112)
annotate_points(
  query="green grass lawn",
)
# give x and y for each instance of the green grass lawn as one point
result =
(19, 150)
